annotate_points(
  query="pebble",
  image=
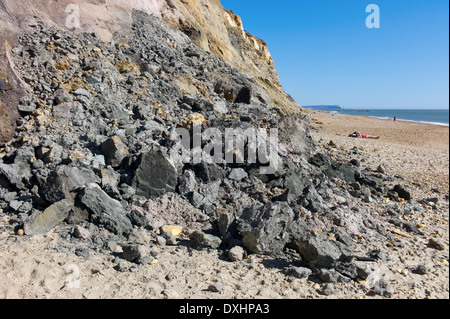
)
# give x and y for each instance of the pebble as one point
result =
(161, 240)
(82, 252)
(420, 270)
(216, 287)
(436, 244)
(381, 168)
(81, 232)
(169, 277)
(236, 253)
(328, 289)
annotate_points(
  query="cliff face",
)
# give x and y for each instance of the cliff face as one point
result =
(206, 22)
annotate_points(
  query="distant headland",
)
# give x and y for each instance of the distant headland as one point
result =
(324, 107)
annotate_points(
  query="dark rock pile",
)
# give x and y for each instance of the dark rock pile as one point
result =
(93, 150)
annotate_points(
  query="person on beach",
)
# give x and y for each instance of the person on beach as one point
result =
(365, 136)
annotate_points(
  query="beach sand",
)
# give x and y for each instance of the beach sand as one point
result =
(47, 266)
(419, 152)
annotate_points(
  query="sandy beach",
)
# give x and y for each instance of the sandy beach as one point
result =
(419, 152)
(48, 266)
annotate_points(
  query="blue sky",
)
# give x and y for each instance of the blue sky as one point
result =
(325, 54)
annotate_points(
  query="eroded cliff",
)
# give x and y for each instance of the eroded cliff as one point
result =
(206, 22)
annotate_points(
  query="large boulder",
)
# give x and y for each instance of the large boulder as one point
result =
(43, 222)
(17, 173)
(294, 135)
(63, 182)
(402, 192)
(155, 176)
(115, 151)
(263, 228)
(321, 252)
(104, 210)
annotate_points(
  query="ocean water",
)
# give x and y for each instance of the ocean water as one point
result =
(438, 117)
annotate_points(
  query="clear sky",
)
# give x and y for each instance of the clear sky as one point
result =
(325, 54)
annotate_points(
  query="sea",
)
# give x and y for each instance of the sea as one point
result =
(437, 117)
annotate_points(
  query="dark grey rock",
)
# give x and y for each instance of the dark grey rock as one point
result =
(62, 96)
(81, 232)
(17, 173)
(82, 92)
(332, 169)
(115, 151)
(370, 181)
(216, 287)
(54, 155)
(127, 191)
(224, 222)
(332, 276)
(82, 252)
(209, 172)
(187, 184)
(161, 241)
(263, 228)
(221, 107)
(27, 108)
(110, 177)
(355, 162)
(65, 180)
(155, 176)
(420, 270)
(311, 199)
(378, 254)
(136, 253)
(206, 196)
(382, 168)
(104, 210)
(436, 244)
(15, 204)
(392, 212)
(329, 289)
(154, 127)
(434, 200)
(297, 272)
(343, 238)
(354, 270)
(293, 134)
(318, 251)
(402, 192)
(201, 239)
